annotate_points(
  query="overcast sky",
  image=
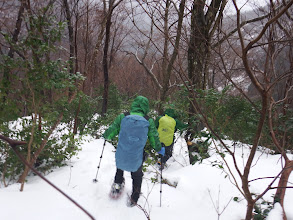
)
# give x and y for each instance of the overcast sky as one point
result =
(245, 5)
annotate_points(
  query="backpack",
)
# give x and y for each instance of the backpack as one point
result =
(133, 136)
(166, 130)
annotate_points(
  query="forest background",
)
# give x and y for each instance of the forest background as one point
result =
(81, 62)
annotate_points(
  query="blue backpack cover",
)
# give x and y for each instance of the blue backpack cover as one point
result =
(133, 136)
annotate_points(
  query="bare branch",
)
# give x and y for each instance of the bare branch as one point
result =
(13, 144)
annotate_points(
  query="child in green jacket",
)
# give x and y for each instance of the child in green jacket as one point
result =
(167, 126)
(134, 129)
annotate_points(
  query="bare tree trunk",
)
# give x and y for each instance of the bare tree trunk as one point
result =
(249, 210)
(166, 67)
(169, 64)
(108, 14)
(282, 185)
(165, 87)
(264, 89)
(105, 63)
(70, 33)
(203, 24)
(29, 147)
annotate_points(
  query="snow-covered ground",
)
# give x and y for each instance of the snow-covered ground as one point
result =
(202, 190)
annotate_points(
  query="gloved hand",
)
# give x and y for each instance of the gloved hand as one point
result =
(162, 151)
(106, 138)
(189, 143)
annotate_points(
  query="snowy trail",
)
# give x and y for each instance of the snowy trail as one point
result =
(198, 187)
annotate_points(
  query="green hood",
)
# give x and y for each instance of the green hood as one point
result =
(171, 113)
(140, 105)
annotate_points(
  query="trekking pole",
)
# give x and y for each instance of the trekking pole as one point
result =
(161, 180)
(95, 180)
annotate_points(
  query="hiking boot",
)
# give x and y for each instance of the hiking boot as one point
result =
(117, 189)
(130, 202)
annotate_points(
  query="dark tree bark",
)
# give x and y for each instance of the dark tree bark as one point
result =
(282, 185)
(203, 24)
(105, 65)
(108, 14)
(70, 34)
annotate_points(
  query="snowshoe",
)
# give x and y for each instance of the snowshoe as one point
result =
(116, 190)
